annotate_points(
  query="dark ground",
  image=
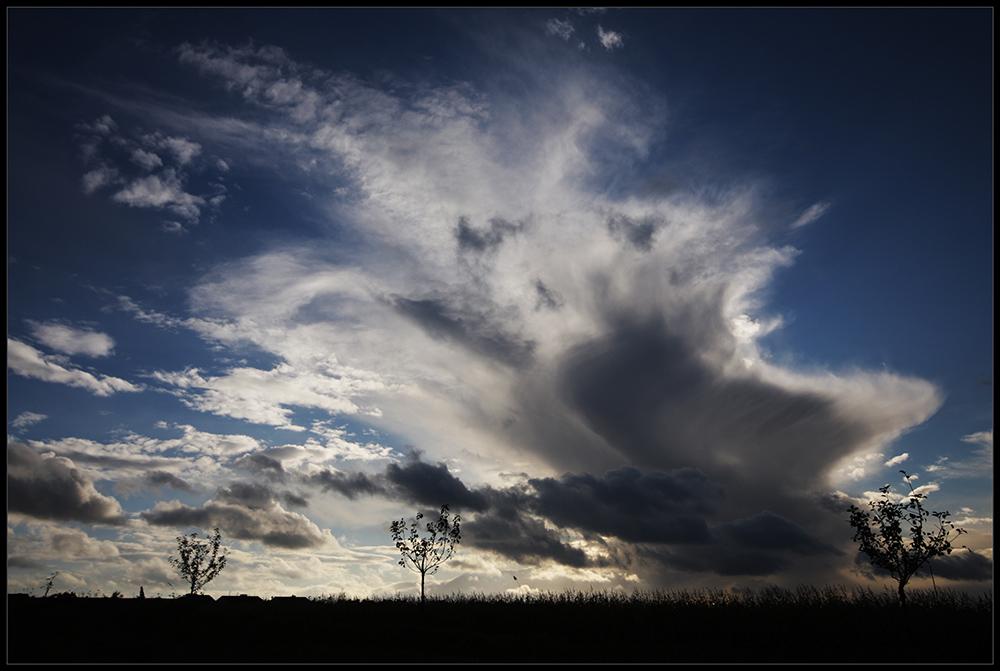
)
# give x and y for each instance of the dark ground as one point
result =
(89, 630)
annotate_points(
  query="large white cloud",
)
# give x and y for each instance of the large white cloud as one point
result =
(488, 290)
(490, 270)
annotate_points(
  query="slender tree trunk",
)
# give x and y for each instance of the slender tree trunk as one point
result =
(422, 574)
(902, 594)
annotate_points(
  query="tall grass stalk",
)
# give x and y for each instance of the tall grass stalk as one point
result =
(801, 597)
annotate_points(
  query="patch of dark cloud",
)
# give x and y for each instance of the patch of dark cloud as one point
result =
(350, 485)
(178, 516)
(486, 240)
(637, 232)
(52, 488)
(163, 479)
(155, 481)
(258, 495)
(262, 464)
(249, 494)
(473, 331)
(524, 539)
(625, 503)
(548, 299)
(718, 560)
(433, 485)
(835, 502)
(963, 566)
(413, 481)
(769, 532)
(22, 562)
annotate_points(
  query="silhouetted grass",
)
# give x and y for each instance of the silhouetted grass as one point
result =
(771, 625)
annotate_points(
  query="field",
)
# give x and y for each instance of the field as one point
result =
(806, 625)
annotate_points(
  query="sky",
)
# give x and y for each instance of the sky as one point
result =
(648, 297)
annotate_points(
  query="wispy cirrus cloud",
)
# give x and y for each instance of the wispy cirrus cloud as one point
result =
(559, 27)
(25, 360)
(811, 214)
(973, 465)
(27, 419)
(267, 397)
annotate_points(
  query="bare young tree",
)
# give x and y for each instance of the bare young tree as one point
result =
(425, 555)
(880, 535)
(49, 582)
(199, 561)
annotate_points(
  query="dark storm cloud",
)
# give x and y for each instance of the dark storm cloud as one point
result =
(413, 481)
(423, 483)
(648, 390)
(769, 532)
(718, 560)
(659, 517)
(657, 508)
(664, 517)
(524, 539)
(970, 566)
(473, 331)
(54, 489)
(763, 545)
(963, 566)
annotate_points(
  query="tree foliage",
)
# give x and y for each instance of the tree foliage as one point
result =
(199, 561)
(425, 554)
(880, 534)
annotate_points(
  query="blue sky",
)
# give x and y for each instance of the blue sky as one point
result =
(648, 297)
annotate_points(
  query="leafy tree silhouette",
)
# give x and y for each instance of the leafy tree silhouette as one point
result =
(425, 555)
(193, 555)
(880, 535)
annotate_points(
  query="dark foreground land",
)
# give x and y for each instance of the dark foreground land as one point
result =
(803, 627)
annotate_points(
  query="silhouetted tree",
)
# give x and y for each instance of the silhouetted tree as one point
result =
(49, 582)
(425, 555)
(881, 536)
(199, 561)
